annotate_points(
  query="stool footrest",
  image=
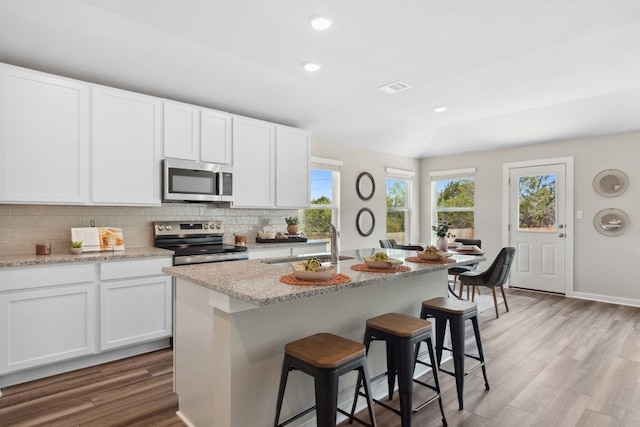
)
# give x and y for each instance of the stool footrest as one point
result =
(301, 414)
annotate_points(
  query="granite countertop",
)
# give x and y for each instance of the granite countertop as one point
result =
(257, 281)
(66, 258)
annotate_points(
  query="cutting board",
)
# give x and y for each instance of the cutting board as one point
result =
(98, 238)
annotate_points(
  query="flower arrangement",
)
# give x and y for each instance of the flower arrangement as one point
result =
(442, 229)
(292, 220)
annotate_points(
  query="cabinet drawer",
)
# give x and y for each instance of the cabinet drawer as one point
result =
(32, 277)
(136, 268)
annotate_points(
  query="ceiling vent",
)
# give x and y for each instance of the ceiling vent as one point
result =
(394, 87)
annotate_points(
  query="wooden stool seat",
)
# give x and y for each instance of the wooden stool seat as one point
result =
(452, 305)
(325, 350)
(325, 357)
(403, 335)
(399, 324)
(455, 312)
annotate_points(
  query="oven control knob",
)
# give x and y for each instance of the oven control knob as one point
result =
(168, 227)
(161, 227)
(218, 226)
(206, 226)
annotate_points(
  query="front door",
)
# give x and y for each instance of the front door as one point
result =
(537, 227)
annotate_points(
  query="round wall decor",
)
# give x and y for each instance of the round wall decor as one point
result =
(611, 222)
(610, 182)
(365, 186)
(365, 222)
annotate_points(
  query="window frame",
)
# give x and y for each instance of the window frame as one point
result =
(449, 175)
(406, 176)
(322, 164)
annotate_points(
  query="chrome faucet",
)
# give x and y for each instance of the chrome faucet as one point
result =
(335, 234)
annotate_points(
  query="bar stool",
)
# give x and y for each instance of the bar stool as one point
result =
(456, 312)
(325, 357)
(403, 335)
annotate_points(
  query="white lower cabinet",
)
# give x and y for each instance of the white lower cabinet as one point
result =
(74, 316)
(52, 322)
(134, 310)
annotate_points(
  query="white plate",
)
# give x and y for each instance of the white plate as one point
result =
(387, 264)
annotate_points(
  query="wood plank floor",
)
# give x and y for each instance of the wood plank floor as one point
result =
(551, 361)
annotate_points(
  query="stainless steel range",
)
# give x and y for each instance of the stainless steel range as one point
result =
(196, 242)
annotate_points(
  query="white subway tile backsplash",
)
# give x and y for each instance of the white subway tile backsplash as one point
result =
(21, 226)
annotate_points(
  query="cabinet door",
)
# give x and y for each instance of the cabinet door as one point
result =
(253, 163)
(44, 138)
(292, 168)
(134, 311)
(181, 131)
(126, 148)
(46, 325)
(215, 137)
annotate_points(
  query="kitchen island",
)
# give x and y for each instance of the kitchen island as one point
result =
(233, 319)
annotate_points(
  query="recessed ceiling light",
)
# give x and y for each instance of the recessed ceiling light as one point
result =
(311, 66)
(440, 109)
(320, 22)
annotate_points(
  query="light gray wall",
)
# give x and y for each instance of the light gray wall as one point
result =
(601, 263)
(357, 161)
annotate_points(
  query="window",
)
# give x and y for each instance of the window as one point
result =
(315, 221)
(453, 201)
(537, 203)
(398, 191)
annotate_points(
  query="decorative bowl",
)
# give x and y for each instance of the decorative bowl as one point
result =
(322, 273)
(387, 264)
(434, 257)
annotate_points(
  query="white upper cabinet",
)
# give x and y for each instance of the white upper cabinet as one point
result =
(44, 138)
(292, 167)
(254, 163)
(127, 129)
(193, 133)
(271, 165)
(181, 131)
(215, 137)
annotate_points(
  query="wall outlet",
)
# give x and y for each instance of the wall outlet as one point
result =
(579, 214)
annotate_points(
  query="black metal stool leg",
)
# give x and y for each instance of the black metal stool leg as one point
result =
(326, 400)
(476, 332)
(404, 359)
(283, 384)
(457, 345)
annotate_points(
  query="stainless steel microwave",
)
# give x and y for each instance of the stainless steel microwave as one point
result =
(191, 181)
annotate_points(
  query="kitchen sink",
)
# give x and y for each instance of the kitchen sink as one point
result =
(323, 259)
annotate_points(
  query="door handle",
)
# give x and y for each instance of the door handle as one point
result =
(561, 235)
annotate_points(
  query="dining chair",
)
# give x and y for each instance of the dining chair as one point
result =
(388, 244)
(495, 276)
(457, 270)
(392, 244)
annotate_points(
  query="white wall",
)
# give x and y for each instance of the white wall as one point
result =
(357, 161)
(601, 263)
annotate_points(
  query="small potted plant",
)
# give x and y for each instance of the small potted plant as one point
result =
(292, 224)
(442, 233)
(76, 247)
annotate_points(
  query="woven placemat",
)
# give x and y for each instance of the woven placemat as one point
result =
(430, 261)
(335, 279)
(395, 269)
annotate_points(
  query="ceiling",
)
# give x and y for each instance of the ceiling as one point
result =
(510, 72)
